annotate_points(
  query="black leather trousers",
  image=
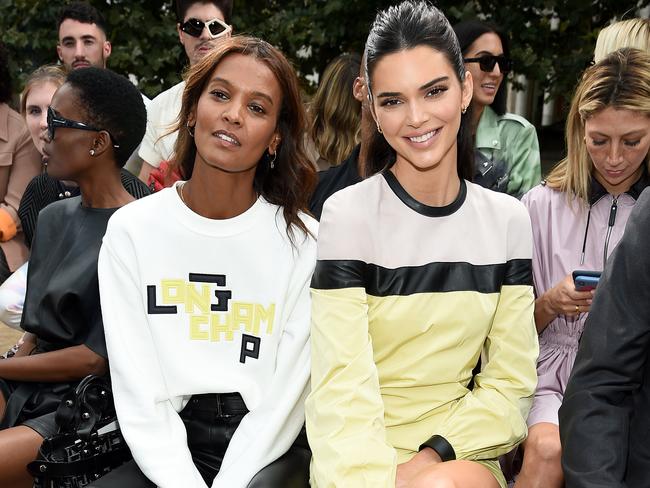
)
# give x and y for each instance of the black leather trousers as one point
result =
(211, 421)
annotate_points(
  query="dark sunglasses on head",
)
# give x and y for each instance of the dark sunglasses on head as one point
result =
(216, 27)
(55, 120)
(486, 63)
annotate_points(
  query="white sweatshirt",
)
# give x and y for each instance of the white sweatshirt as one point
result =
(193, 305)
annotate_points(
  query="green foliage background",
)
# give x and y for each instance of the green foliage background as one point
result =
(552, 40)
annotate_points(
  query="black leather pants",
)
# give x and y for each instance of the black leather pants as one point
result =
(210, 421)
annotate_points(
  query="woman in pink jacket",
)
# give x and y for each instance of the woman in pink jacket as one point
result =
(578, 216)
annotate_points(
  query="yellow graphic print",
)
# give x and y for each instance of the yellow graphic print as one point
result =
(195, 300)
(212, 316)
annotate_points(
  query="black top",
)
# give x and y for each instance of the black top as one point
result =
(334, 179)
(62, 301)
(43, 190)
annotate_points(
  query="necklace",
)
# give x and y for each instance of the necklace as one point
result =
(180, 193)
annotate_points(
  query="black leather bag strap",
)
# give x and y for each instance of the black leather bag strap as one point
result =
(49, 469)
(81, 410)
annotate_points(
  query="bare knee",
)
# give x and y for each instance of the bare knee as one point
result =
(544, 445)
(433, 479)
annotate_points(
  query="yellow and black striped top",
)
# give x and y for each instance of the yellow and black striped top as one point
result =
(405, 300)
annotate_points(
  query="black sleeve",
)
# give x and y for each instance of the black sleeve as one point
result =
(134, 185)
(30, 205)
(599, 399)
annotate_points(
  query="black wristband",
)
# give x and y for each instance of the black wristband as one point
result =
(441, 446)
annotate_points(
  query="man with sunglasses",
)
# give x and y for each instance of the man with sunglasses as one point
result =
(200, 25)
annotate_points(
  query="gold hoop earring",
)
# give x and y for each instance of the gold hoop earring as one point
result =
(379, 128)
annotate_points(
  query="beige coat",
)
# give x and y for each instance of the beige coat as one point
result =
(20, 161)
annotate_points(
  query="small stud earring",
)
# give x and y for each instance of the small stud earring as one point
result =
(92, 152)
(463, 110)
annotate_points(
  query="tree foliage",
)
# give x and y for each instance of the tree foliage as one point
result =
(552, 40)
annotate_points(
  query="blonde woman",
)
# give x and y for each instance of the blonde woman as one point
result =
(578, 217)
(626, 33)
(335, 112)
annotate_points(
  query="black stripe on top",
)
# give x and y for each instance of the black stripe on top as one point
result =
(429, 278)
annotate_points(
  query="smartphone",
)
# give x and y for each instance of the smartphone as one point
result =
(585, 280)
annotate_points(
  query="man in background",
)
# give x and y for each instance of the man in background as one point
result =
(200, 25)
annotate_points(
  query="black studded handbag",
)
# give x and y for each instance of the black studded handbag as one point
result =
(89, 443)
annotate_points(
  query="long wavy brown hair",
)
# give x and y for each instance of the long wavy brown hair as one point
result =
(292, 181)
(335, 114)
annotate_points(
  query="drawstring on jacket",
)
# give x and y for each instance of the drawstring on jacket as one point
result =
(610, 226)
(584, 241)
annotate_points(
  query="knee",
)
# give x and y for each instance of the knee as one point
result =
(544, 446)
(432, 479)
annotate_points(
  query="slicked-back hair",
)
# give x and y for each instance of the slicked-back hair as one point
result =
(406, 26)
(224, 5)
(5, 76)
(291, 182)
(111, 103)
(84, 13)
(622, 81)
(470, 30)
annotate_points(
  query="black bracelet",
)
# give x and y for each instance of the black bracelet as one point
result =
(441, 446)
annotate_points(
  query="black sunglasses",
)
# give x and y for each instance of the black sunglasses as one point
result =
(216, 27)
(486, 63)
(55, 120)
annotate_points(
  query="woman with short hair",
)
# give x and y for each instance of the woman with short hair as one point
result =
(95, 120)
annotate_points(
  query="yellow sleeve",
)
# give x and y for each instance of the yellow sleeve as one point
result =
(491, 419)
(344, 411)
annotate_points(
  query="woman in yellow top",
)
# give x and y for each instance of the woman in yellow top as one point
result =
(420, 273)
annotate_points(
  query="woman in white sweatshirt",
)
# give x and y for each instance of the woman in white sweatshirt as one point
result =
(205, 288)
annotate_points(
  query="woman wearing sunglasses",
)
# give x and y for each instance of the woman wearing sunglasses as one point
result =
(39, 89)
(95, 121)
(507, 156)
(218, 335)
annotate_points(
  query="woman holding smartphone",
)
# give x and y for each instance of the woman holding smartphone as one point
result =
(397, 329)
(578, 216)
